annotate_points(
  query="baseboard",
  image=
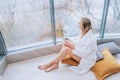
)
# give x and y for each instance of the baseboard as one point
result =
(31, 53)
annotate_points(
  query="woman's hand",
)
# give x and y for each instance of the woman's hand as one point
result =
(69, 44)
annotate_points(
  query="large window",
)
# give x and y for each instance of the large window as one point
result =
(23, 22)
(113, 19)
(68, 13)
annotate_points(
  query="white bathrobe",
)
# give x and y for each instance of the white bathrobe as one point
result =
(86, 48)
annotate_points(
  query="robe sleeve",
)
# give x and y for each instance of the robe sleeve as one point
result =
(86, 49)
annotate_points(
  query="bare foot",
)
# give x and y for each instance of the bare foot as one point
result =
(43, 67)
(53, 66)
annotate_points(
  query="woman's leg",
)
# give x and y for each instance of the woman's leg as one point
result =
(62, 54)
(57, 59)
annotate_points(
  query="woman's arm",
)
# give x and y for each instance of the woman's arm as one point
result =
(69, 44)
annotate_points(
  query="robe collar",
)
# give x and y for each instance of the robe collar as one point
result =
(88, 35)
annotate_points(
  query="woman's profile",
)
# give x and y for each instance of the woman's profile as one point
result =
(83, 50)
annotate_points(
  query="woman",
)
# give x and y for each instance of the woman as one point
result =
(82, 50)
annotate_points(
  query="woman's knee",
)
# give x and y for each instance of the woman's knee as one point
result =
(67, 49)
(63, 45)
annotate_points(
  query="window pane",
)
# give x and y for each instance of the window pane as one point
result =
(2, 46)
(68, 13)
(24, 22)
(113, 19)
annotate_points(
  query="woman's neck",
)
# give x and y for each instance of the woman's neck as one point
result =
(83, 33)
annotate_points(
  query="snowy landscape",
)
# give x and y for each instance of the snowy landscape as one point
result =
(28, 21)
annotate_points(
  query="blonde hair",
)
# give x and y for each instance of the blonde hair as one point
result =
(86, 25)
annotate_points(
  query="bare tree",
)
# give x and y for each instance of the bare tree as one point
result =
(116, 8)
